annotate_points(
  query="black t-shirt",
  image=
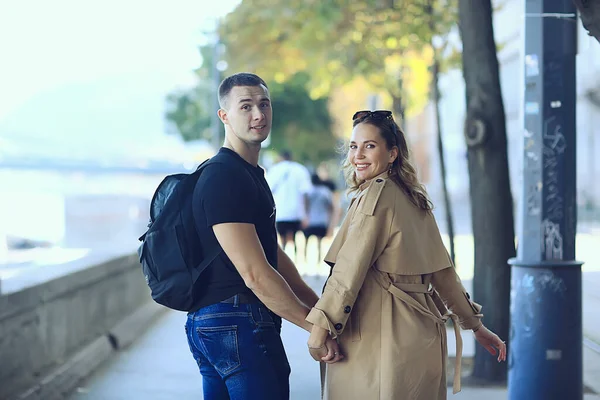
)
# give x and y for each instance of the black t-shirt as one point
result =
(232, 190)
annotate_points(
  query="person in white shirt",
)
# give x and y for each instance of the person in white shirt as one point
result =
(290, 184)
(320, 213)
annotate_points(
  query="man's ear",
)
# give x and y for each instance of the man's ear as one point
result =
(222, 115)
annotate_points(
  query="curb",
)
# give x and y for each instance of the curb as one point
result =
(591, 365)
(130, 328)
(63, 380)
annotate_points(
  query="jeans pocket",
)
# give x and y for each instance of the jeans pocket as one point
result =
(220, 345)
(261, 316)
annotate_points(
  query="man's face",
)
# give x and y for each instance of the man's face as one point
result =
(247, 111)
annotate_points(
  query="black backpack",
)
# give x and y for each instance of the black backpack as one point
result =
(171, 252)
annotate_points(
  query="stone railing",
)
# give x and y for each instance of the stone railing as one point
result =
(55, 333)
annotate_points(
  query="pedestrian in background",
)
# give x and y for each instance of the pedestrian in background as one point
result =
(290, 185)
(320, 210)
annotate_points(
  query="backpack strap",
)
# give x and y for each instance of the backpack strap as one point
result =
(211, 246)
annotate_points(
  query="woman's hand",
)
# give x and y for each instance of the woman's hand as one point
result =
(491, 342)
(322, 347)
(329, 352)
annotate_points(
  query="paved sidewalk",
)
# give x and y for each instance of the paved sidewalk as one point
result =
(159, 366)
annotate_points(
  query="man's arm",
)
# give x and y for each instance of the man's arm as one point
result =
(290, 273)
(241, 244)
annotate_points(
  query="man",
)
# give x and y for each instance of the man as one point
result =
(235, 333)
(291, 184)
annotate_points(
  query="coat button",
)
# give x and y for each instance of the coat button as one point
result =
(338, 326)
(379, 180)
(347, 309)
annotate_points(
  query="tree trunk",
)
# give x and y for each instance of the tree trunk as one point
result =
(590, 16)
(440, 148)
(491, 199)
(398, 109)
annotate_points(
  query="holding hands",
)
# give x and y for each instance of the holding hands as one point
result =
(322, 347)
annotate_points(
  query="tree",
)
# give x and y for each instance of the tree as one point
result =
(590, 16)
(189, 110)
(491, 199)
(301, 124)
(388, 43)
(336, 41)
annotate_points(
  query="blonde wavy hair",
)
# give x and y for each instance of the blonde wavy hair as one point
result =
(401, 171)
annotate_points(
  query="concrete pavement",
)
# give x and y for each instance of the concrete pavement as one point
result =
(159, 366)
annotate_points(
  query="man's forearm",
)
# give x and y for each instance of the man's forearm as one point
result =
(290, 273)
(306, 295)
(277, 295)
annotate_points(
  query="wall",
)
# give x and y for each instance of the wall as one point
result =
(45, 326)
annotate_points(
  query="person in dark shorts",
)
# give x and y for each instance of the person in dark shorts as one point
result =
(320, 210)
(288, 229)
(234, 331)
(290, 185)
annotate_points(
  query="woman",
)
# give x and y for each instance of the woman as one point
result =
(391, 283)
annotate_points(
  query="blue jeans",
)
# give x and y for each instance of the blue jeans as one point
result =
(239, 352)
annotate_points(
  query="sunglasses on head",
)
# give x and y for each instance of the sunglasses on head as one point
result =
(379, 114)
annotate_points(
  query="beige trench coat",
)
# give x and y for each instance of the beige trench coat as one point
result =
(387, 301)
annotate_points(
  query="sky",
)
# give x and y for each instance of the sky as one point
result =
(77, 70)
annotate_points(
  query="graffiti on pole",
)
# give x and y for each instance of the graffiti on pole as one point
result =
(554, 145)
(533, 165)
(552, 241)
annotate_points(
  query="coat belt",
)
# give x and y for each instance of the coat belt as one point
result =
(400, 290)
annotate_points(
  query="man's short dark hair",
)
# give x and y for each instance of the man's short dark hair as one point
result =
(239, 79)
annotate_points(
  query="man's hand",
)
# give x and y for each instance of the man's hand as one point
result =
(329, 352)
(317, 353)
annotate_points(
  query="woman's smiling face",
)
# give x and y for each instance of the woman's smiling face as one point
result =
(368, 152)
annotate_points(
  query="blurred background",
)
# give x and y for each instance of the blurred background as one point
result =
(84, 135)
(100, 102)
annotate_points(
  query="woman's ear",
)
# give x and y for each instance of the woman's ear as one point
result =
(393, 154)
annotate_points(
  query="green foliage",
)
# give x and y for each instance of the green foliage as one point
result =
(305, 48)
(301, 124)
(189, 111)
(335, 41)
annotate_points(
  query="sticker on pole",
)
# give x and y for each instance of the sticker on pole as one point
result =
(553, 354)
(532, 67)
(532, 108)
